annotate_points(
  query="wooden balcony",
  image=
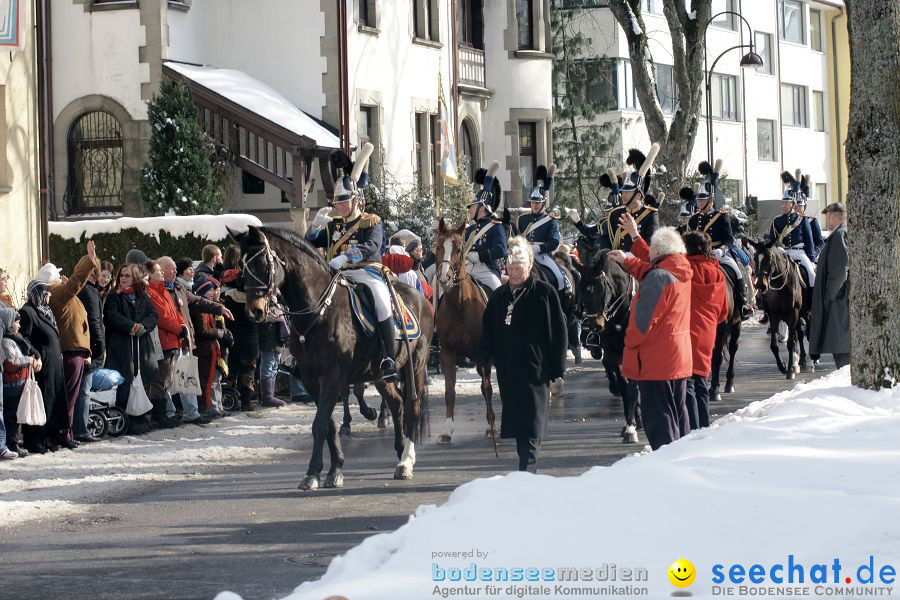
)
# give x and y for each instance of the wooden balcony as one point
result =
(471, 67)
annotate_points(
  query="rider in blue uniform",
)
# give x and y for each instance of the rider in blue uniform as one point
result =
(484, 242)
(353, 242)
(633, 193)
(817, 239)
(542, 229)
(791, 232)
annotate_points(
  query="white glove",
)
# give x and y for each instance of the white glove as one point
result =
(322, 219)
(556, 386)
(338, 261)
(573, 214)
(472, 257)
(718, 252)
(536, 248)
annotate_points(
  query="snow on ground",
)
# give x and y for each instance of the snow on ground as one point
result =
(812, 473)
(209, 227)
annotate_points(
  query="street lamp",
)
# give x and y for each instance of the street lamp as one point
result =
(751, 60)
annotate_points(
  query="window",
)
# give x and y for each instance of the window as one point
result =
(421, 159)
(96, 164)
(468, 148)
(597, 82)
(426, 148)
(433, 151)
(665, 88)
(764, 49)
(367, 13)
(4, 172)
(524, 18)
(527, 157)
(470, 23)
(818, 106)
(794, 107)
(723, 21)
(425, 20)
(765, 140)
(653, 7)
(628, 97)
(724, 97)
(791, 26)
(815, 29)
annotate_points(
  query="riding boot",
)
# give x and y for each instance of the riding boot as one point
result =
(388, 363)
(267, 391)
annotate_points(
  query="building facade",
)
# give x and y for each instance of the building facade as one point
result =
(370, 69)
(22, 229)
(782, 116)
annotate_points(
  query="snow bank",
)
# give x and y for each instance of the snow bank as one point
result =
(208, 227)
(813, 473)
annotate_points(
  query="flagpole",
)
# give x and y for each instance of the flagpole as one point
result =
(438, 188)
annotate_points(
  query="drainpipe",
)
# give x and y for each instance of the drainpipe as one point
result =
(344, 75)
(777, 44)
(44, 59)
(743, 201)
(837, 106)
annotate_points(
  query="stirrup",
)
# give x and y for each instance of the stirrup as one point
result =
(388, 369)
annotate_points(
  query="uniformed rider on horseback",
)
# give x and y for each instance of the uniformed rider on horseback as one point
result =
(353, 242)
(542, 229)
(717, 224)
(815, 229)
(484, 242)
(791, 232)
(634, 191)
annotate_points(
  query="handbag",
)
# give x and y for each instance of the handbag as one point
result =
(31, 403)
(157, 344)
(186, 378)
(138, 401)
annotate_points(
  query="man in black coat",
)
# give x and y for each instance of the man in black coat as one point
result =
(830, 323)
(524, 336)
(90, 298)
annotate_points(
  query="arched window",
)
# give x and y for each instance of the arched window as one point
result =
(469, 147)
(96, 164)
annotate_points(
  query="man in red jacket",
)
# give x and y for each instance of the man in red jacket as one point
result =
(173, 335)
(658, 338)
(709, 307)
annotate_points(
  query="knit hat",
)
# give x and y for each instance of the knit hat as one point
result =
(182, 265)
(205, 284)
(413, 245)
(48, 273)
(136, 257)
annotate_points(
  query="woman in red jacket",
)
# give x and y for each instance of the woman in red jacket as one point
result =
(173, 333)
(658, 339)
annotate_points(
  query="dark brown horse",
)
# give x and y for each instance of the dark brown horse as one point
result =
(332, 351)
(779, 286)
(728, 334)
(459, 313)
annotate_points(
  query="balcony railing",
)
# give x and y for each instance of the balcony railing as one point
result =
(471, 66)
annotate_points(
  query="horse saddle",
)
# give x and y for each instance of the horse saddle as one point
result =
(483, 289)
(363, 308)
(804, 275)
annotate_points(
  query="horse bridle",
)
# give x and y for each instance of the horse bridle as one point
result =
(268, 288)
(610, 309)
(453, 269)
(772, 276)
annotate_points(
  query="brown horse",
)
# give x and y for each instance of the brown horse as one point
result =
(459, 313)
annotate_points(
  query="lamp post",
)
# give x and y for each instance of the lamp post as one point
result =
(751, 60)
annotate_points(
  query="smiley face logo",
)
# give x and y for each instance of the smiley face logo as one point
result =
(682, 573)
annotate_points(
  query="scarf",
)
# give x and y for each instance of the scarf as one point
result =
(37, 291)
(129, 291)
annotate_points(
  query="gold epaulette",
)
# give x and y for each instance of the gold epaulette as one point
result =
(369, 220)
(650, 208)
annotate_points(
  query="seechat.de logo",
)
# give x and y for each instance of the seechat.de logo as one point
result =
(682, 573)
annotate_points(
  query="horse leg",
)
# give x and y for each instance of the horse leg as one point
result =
(773, 344)
(384, 415)
(614, 383)
(448, 365)
(334, 479)
(802, 364)
(402, 444)
(716, 367)
(792, 339)
(732, 352)
(629, 396)
(359, 390)
(327, 398)
(345, 399)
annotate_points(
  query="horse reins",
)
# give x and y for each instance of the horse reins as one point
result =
(616, 305)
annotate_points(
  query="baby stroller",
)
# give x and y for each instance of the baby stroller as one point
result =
(104, 416)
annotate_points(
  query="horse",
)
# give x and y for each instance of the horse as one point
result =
(779, 284)
(332, 350)
(606, 294)
(459, 313)
(728, 334)
(369, 413)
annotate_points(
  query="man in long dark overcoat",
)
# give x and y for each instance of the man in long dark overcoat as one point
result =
(524, 336)
(830, 327)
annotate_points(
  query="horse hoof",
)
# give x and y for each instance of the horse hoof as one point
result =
(444, 438)
(309, 484)
(630, 438)
(345, 430)
(369, 413)
(718, 397)
(334, 481)
(383, 422)
(624, 430)
(802, 364)
(403, 472)
(729, 389)
(790, 375)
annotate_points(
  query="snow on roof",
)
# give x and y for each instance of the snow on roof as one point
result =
(810, 473)
(257, 97)
(208, 227)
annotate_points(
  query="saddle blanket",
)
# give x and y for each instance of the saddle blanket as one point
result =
(361, 307)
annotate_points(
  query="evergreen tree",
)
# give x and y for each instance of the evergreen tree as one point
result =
(583, 145)
(178, 174)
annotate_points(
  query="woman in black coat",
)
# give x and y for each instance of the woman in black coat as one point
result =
(130, 317)
(38, 326)
(524, 336)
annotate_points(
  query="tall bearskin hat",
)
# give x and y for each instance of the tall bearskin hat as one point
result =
(543, 180)
(489, 195)
(350, 177)
(710, 179)
(640, 177)
(792, 186)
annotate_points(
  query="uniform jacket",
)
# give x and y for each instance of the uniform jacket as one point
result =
(614, 238)
(830, 326)
(528, 353)
(368, 237)
(547, 235)
(71, 317)
(170, 324)
(491, 247)
(716, 224)
(800, 236)
(658, 337)
(816, 231)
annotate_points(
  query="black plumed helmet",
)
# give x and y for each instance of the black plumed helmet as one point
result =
(705, 169)
(787, 178)
(686, 194)
(540, 174)
(340, 164)
(635, 158)
(605, 181)
(480, 175)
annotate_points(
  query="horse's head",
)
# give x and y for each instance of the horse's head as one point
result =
(448, 253)
(766, 261)
(263, 271)
(603, 291)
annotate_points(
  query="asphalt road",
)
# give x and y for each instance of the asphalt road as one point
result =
(249, 529)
